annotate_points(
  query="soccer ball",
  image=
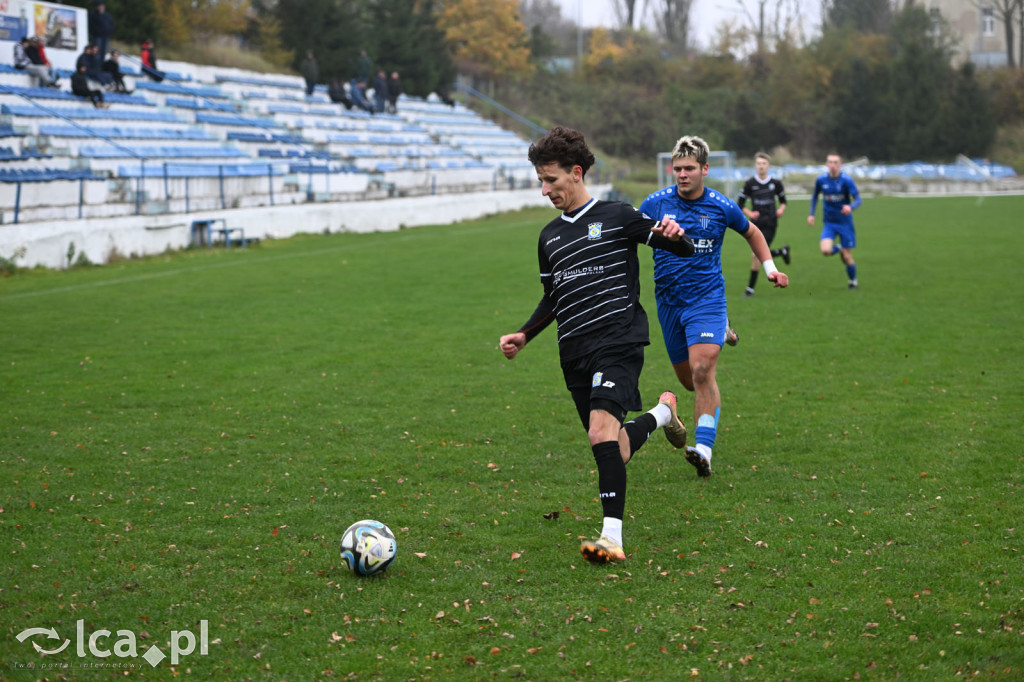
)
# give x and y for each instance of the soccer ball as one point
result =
(368, 547)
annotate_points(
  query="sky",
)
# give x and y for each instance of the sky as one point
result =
(705, 16)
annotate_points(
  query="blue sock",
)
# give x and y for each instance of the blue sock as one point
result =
(707, 430)
(851, 271)
(836, 249)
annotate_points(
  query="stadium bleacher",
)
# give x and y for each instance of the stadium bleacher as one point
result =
(172, 145)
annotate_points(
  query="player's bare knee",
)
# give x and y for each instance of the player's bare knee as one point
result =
(703, 374)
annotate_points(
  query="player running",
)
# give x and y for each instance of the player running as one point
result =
(763, 190)
(841, 200)
(690, 292)
(591, 277)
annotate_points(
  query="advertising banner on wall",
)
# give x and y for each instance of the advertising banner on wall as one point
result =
(64, 30)
(57, 26)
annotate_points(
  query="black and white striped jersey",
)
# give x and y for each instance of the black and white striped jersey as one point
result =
(591, 277)
(762, 195)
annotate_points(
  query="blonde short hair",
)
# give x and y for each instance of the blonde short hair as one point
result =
(691, 145)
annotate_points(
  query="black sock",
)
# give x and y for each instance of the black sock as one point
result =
(611, 478)
(753, 278)
(776, 252)
(639, 430)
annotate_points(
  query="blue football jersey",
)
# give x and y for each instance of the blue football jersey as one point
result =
(698, 278)
(836, 192)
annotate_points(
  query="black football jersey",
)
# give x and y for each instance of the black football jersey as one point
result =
(591, 276)
(762, 197)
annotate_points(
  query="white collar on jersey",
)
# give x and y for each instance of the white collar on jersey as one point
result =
(579, 213)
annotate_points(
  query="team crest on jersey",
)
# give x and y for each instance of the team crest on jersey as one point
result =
(705, 220)
(598, 376)
(594, 230)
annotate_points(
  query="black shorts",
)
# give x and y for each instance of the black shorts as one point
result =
(768, 230)
(608, 380)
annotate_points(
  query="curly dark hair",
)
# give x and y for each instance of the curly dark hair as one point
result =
(564, 146)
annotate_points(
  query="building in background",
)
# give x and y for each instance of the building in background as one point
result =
(978, 24)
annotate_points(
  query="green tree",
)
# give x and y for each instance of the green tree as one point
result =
(407, 39)
(265, 36)
(333, 29)
(135, 20)
(918, 72)
(864, 16)
(967, 121)
(861, 111)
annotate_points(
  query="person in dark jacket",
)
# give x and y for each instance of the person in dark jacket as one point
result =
(364, 67)
(336, 91)
(310, 70)
(93, 63)
(37, 53)
(101, 28)
(394, 90)
(23, 61)
(112, 67)
(80, 87)
(380, 92)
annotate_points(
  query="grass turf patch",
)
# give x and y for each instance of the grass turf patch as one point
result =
(187, 436)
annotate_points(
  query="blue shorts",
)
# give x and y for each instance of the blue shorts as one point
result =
(847, 235)
(682, 327)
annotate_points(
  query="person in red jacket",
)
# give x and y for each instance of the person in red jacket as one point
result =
(148, 57)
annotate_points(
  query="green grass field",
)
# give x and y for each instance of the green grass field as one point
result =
(186, 437)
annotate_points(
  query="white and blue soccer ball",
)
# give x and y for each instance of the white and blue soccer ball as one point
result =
(368, 547)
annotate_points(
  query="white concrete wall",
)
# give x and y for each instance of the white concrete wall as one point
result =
(46, 243)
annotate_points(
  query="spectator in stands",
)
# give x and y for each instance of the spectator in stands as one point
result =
(364, 67)
(37, 53)
(380, 92)
(112, 67)
(90, 58)
(80, 86)
(310, 70)
(336, 91)
(443, 93)
(148, 57)
(357, 92)
(41, 76)
(101, 27)
(394, 90)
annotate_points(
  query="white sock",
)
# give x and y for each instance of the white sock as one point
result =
(704, 450)
(662, 414)
(612, 530)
